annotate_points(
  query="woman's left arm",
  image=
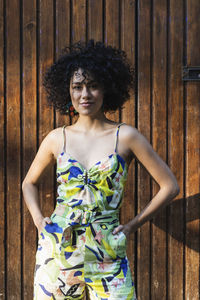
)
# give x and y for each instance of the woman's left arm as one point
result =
(160, 172)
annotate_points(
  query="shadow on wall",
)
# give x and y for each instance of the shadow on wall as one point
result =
(183, 221)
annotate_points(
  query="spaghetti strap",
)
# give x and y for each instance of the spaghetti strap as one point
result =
(117, 134)
(64, 138)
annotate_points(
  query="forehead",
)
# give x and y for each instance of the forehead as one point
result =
(81, 76)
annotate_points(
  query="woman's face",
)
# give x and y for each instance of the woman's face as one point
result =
(86, 94)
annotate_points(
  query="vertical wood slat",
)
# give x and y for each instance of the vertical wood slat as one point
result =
(143, 109)
(112, 35)
(78, 20)
(78, 30)
(95, 20)
(159, 127)
(2, 153)
(192, 284)
(175, 150)
(62, 40)
(46, 117)
(13, 150)
(29, 132)
(128, 116)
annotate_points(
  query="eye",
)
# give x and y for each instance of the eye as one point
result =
(77, 87)
(93, 86)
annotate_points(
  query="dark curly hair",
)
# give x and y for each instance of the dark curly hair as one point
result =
(108, 65)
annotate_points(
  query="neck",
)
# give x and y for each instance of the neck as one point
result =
(91, 123)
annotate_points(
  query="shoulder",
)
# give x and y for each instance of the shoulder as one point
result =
(133, 139)
(129, 132)
(53, 141)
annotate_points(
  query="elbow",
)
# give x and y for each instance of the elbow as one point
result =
(25, 184)
(173, 189)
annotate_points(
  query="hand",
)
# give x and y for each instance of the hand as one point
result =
(124, 228)
(43, 223)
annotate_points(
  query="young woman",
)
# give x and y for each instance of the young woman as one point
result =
(82, 245)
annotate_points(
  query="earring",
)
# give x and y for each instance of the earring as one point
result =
(70, 109)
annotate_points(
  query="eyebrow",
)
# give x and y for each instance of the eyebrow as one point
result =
(80, 82)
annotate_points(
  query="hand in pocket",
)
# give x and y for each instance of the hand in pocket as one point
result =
(42, 224)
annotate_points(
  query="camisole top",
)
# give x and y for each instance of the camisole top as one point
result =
(98, 189)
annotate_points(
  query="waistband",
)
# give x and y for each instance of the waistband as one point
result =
(84, 217)
(77, 217)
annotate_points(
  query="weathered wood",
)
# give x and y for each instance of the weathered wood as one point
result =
(13, 150)
(62, 40)
(127, 22)
(29, 136)
(111, 35)
(175, 151)
(78, 26)
(46, 116)
(192, 156)
(2, 155)
(144, 126)
(78, 20)
(95, 20)
(159, 130)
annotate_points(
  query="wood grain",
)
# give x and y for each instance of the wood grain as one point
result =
(127, 23)
(176, 151)
(144, 126)
(13, 150)
(62, 40)
(111, 35)
(29, 136)
(159, 142)
(46, 115)
(2, 156)
(192, 157)
(95, 20)
(78, 20)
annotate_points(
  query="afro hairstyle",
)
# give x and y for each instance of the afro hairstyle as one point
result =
(108, 66)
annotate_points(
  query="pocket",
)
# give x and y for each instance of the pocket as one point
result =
(121, 243)
(41, 235)
(124, 239)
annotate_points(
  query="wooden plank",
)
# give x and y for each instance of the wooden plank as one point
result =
(62, 40)
(111, 35)
(176, 151)
(13, 150)
(78, 20)
(192, 156)
(128, 116)
(46, 116)
(159, 130)
(78, 26)
(29, 111)
(143, 108)
(2, 153)
(95, 20)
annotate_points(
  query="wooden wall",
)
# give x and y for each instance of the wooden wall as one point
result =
(160, 36)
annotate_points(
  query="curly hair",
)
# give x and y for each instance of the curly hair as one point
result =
(108, 65)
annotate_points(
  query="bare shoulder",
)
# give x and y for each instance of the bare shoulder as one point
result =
(55, 139)
(135, 141)
(129, 133)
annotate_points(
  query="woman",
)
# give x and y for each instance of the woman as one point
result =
(82, 245)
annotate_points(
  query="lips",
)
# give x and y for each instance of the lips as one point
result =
(85, 104)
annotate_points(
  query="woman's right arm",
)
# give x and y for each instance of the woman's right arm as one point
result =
(44, 157)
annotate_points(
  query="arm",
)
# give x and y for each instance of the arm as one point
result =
(160, 172)
(43, 158)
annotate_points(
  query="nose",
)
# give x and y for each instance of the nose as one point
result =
(85, 92)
